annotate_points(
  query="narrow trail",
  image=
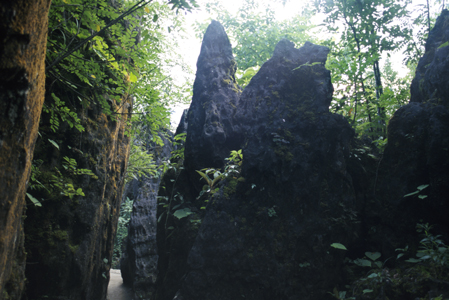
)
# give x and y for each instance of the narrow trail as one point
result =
(116, 289)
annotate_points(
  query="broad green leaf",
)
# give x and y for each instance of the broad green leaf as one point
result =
(338, 246)
(362, 262)
(442, 249)
(372, 255)
(216, 179)
(421, 187)
(132, 77)
(411, 194)
(34, 200)
(160, 217)
(208, 180)
(54, 143)
(182, 213)
(444, 45)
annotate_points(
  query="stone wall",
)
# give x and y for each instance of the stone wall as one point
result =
(69, 241)
(23, 42)
(138, 263)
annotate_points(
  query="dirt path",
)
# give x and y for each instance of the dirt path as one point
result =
(116, 289)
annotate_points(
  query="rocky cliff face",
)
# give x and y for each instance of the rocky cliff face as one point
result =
(69, 240)
(417, 151)
(432, 72)
(138, 263)
(266, 233)
(23, 42)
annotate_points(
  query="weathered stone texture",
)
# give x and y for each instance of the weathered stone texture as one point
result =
(266, 233)
(215, 96)
(417, 151)
(138, 263)
(307, 183)
(70, 241)
(430, 82)
(289, 208)
(23, 40)
(183, 125)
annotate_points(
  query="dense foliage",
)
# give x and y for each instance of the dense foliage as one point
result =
(100, 53)
(122, 231)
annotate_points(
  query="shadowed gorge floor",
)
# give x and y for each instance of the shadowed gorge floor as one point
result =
(116, 289)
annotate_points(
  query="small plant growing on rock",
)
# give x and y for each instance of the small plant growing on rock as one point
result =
(232, 168)
(212, 176)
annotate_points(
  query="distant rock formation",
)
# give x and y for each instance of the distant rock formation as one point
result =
(138, 263)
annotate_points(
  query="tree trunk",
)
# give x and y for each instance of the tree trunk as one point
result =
(23, 38)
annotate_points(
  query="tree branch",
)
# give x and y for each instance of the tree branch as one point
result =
(139, 5)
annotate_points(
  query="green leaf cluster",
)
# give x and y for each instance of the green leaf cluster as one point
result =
(368, 29)
(55, 182)
(432, 250)
(122, 231)
(140, 165)
(231, 169)
(418, 190)
(99, 56)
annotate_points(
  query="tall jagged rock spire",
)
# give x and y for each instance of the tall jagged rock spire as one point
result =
(281, 212)
(211, 136)
(417, 150)
(430, 82)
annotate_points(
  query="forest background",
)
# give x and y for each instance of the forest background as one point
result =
(101, 51)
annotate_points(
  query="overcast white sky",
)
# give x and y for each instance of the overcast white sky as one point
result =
(191, 46)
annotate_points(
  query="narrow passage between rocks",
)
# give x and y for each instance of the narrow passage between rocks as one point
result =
(116, 289)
